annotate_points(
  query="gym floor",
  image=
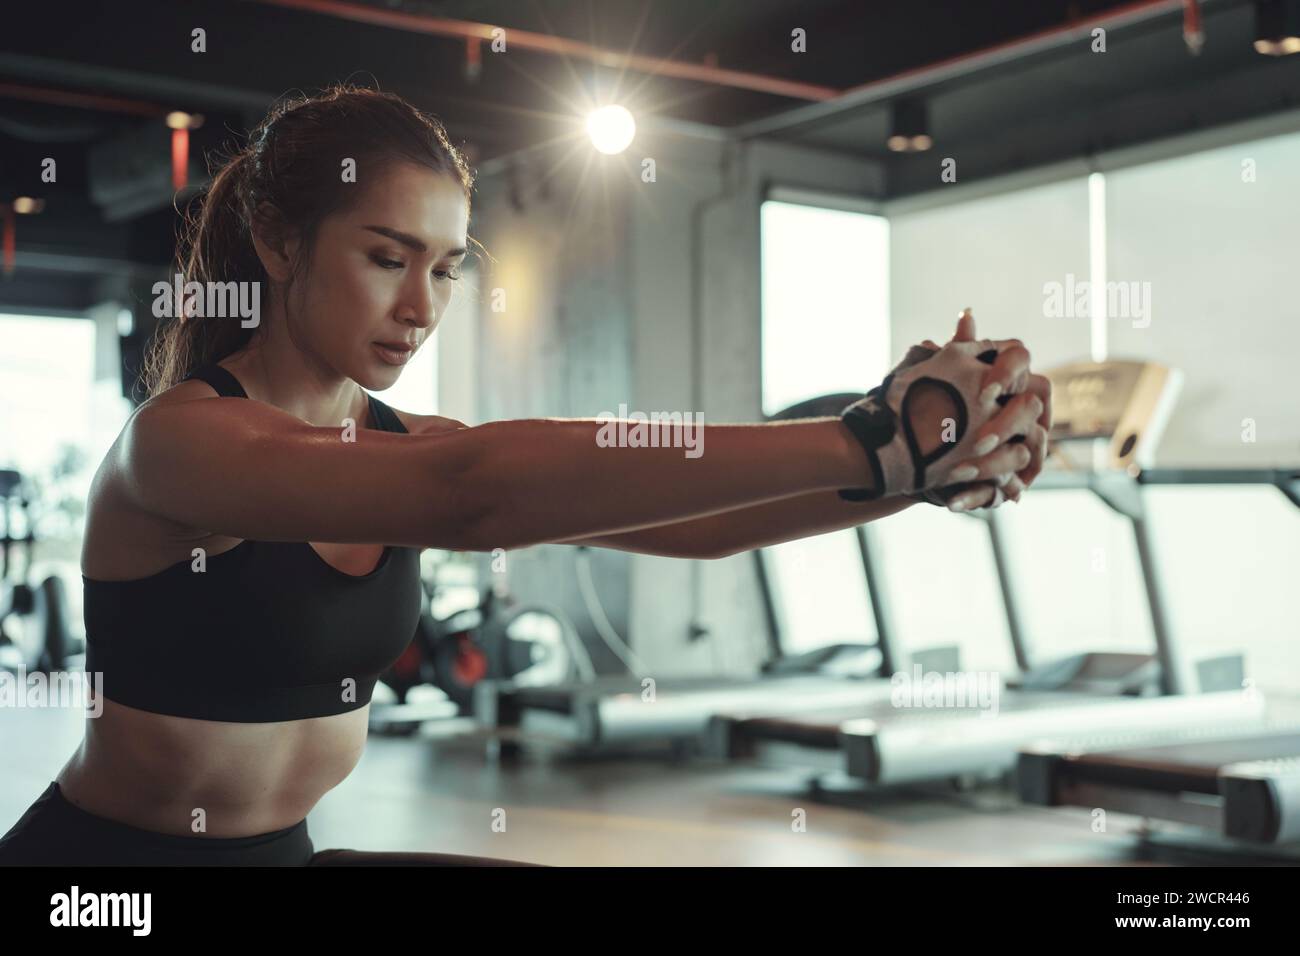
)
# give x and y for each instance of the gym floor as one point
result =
(437, 792)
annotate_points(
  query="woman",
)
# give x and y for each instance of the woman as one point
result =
(237, 659)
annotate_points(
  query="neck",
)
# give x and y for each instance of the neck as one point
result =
(274, 370)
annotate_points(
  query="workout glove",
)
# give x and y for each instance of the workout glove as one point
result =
(882, 424)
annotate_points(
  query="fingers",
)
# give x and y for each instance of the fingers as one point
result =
(965, 327)
(981, 496)
(1013, 488)
(1001, 465)
(1019, 432)
(1041, 386)
(1036, 442)
(984, 495)
(1017, 417)
(1010, 370)
(1036, 439)
(987, 494)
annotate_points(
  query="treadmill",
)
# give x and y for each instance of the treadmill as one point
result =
(1092, 694)
(1235, 784)
(1119, 408)
(836, 669)
(617, 713)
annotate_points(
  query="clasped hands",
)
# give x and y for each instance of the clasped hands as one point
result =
(962, 425)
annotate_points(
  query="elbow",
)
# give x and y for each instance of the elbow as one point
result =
(474, 530)
(482, 520)
(714, 551)
(488, 508)
(467, 513)
(720, 554)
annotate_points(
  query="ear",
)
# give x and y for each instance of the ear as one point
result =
(276, 243)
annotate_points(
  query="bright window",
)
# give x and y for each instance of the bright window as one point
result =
(819, 590)
(54, 414)
(825, 312)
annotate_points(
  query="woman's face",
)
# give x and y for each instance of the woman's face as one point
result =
(382, 273)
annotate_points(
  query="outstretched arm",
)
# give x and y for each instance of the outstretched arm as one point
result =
(246, 469)
(728, 532)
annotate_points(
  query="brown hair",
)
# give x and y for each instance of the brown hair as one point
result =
(287, 176)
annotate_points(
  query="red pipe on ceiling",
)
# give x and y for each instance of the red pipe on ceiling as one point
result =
(563, 46)
(82, 101)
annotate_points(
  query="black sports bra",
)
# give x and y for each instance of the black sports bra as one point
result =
(268, 632)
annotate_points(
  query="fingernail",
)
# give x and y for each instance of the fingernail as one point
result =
(964, 472)
(958, 504)
(991, 393)
(986, 444)
(1004, 478)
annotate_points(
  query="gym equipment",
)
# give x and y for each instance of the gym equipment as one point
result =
(16, 597)
(1093, 693)
(530, 645)
(888, 748)
(628, 711)
(35, 632)
(1125, 404)
(1238, 781)
(616, 712)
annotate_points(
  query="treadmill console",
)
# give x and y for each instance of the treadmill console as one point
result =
(1124, 403)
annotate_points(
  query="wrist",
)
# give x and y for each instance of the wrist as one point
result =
(854, 471)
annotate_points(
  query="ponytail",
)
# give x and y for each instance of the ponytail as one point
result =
(217, 247)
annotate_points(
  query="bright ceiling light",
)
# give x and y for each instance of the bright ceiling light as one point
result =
(1277, 27)
(611, 129)
(909, 131)
(178, 119)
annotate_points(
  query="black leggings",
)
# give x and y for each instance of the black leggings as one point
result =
(55, 832)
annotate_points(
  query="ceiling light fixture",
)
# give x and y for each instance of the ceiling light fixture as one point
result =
(910, 127)
(1277, 27)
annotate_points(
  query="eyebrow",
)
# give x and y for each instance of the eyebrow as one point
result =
(411, 242)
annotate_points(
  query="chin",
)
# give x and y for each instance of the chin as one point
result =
(372, 374)
(378, 379)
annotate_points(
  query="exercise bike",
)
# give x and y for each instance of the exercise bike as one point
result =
(35, 630)
(495, 639)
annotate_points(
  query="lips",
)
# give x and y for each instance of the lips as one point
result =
(394, 353)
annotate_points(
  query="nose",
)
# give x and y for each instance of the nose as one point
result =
(420, 304)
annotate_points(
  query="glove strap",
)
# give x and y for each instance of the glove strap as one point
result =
(875, 425)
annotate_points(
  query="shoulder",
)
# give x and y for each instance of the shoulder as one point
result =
(427, 424)
(180, 392)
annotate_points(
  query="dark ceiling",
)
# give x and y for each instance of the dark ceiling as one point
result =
(85, 78)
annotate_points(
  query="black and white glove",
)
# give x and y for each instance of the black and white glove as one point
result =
(882, 424)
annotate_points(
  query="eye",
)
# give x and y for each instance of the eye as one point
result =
(387, 263)
(451, 273)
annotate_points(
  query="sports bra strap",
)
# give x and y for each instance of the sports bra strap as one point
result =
(385, 418)
(225, 384)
